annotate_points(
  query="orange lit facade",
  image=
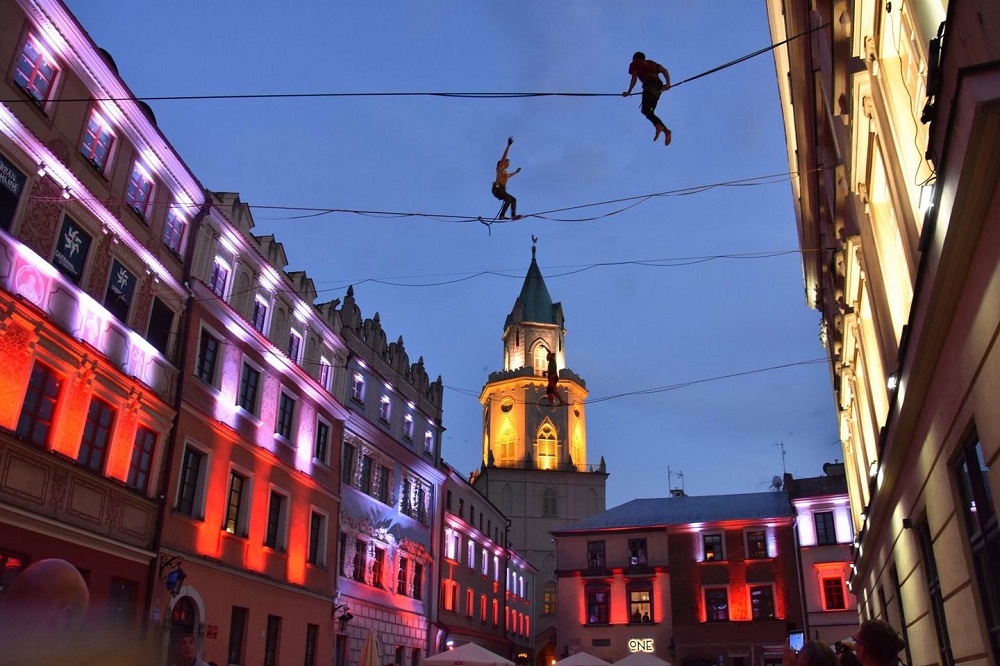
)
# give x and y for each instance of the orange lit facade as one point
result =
(891, 113)
(486, 589)
(692, 580)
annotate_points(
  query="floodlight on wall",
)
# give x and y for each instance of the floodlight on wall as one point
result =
(873, 469)
(892, 382)
(66, 192)
(42, 170)
(926, 196)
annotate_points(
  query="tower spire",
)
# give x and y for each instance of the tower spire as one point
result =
(534, 239)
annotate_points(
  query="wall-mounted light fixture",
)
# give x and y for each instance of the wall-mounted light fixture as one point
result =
(171, 573)
(926, 196)
(873, 469)
(42, 170)
(66, 192)
(892, 382)
(344, 618)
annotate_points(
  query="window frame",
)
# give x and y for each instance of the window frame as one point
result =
(98, 434)
(836, 588)
(597, 554)
(236, 647)
(316, 548)
(635, 606)
(358, 385)
(769, 588)
(705, 550)
(385, 409)
(259, 314)
(638, 552)
(597, 599)
(45, 398)
(236, 518)
(98, 140)
(321, 440)
(218, 279)
(276, 524)
(715, 590)
(254, 399)
(753, 545)
(200, 362)
(139, 190)
(174, 229)
(41, 97)
(284, 422)
(827, 536)
(198, 485)
(138, 471)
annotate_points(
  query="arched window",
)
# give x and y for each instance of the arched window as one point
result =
(540, 357)
(549, 506)
(549, 598)
(545, 446)
(576, 450)
(506, 440)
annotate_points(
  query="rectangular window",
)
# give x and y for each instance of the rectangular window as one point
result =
(96, 435)
(259, 317)
(833, 594)
(347, 472)
(384, 409)
(496, 613)
(757, 545)
(237, 634)
(36, 70)
(286, 410)
(486, 563)
(378, 564)
(72, 248)
(418, 580)
(122, 599)
(398, 659)
(294, 345)
(312, 636)
(470, 554)
(401, 573)
(325, 373)
(360, 559)
(640, 605)
(191, 484)
(470, 602)
(121, 287)
(428, 441)
(271, 639)
(97, 140)
(826, 534)
(637, 552)
(342, 554)
(249, 381)
(448, 595)
(358, 389)
(408, 427)
(317, 539)
(713, 547)
(382, 490)
(598, 603)
(142, 458)
(595, 552)
(762, 602)
(321, 447)
(139, 190)
(220, 278)
(482, 608)
(984, 532)
(161, 323)
(208, 355)
(936, 594)
(173, 231)
(549, 599)
(277, 520)
(39, 406)
(235, 506)
(365, 475)
(716, 604)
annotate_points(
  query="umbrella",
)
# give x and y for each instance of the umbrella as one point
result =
(369, 650)
(582, 659)
(641, 659)
(469, 654)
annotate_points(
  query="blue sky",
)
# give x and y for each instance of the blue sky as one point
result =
(634, 321)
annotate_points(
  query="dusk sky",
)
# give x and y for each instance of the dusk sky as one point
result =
(669, 292)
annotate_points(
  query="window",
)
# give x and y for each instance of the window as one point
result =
(237, 634)
(277, 522)
(96, 435)
(595, 552)
(408, 427)
(496, 613)
(549, 598)
(418, 580)
(401, 573)
(549, 504)
(72, 248)
(470, 554)
(39, 405)
(637, 552)
(449, 595)
(713, 547)
(358, 388)
(384, 408)
(398, 658)
(833, 594)
(360, 548)
(716, 604)
(173, 231)
(325, 373)
(756, 545)
(415, 657)
(161, 322)
(294, 345)
(486, 563)
(981, 523)
(382, 489)
(286, 410)
(482, 608)
(121, 286)
(259, 317)
(192, 483)
(317, 539)
(249, 382)
(546, 447)
(365, 477)
(640, 605)
(428, 441)
(139, 189)
(762, 602)
(312, 636)
(97, 140)
(347, 472)
(452, 542)
(342, 555)
(598, 603)
(122, 599)
(825, 533)
(271, 640)
(219, 278)
(208, 355)
(496, 569)
(321, 447)
(237, 505)
(142, 458)
(36, 70)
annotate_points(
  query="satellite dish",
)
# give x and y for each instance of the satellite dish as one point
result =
(776, 483)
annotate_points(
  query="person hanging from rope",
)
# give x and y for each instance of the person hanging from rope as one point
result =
(649, 72)
(500, 185)
(552, 373)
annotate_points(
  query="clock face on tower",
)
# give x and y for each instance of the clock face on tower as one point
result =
(506, 405)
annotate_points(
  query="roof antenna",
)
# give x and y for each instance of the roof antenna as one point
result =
(534, 239)
(781, 445)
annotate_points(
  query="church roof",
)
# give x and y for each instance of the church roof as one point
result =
(536, 305)
(664, 511)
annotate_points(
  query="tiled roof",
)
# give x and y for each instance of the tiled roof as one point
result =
(536, 304)
(663, 511)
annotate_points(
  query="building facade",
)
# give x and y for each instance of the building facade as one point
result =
(486, 588)
(891, 113)
(693, 580)
(825, 536)
(534, 465)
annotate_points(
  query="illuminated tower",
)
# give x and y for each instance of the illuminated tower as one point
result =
(534, 464)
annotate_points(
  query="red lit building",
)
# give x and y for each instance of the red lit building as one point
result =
(693, 580)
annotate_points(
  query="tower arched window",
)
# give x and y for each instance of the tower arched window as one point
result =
(549, 598)
(540, 357)
(545, 446)
(549, 505)
(576, 449)
(506, 440)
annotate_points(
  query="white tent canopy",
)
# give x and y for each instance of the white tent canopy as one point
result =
(641, 659)
(469, 654)
(582, 659)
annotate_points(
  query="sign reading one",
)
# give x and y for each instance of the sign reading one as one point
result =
(641, 645)
(212, 631)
